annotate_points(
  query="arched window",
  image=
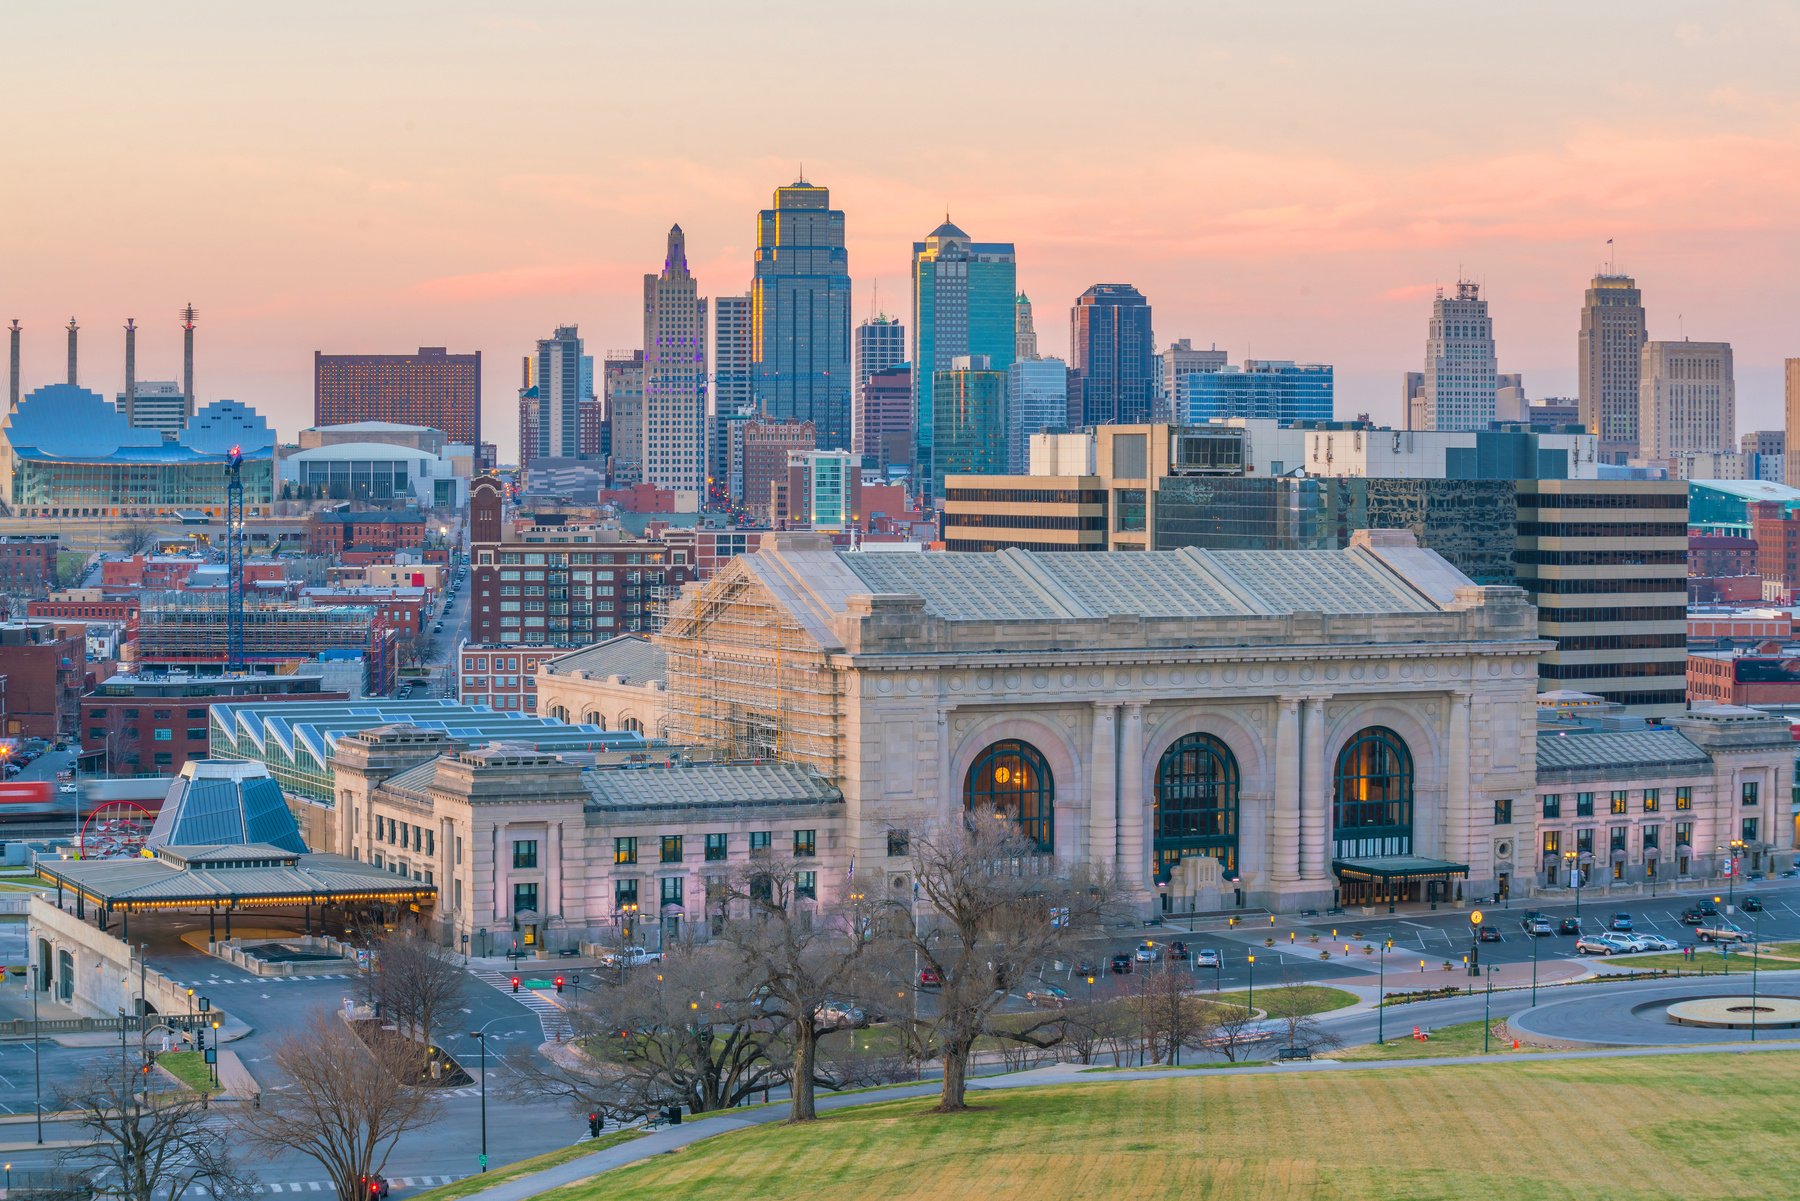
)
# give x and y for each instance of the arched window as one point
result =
(593, 718)
(1011, 780)
(631, 724)
(1196, 804)
(1373, 812)
(559, 713)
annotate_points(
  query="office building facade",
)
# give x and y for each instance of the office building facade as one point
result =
(1114, 374)
(965, 303)
(1025, 342)
(800, 314)
(1609, 360)
(1687, 400)
(622, 379)
(767, 445)
(1037, 403)
(880, 344)
(432, 387)
(883, 436)
(556, 408)
(1267, 389)
(675, 441)
(1460, 375)
(970, 425)
(1180, 360)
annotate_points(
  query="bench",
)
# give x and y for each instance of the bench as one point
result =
(1292, 1054)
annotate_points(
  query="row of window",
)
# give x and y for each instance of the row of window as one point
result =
(718, 847)
(1619, 801)
(163, 735)
(155, 714)
(671, 891)
(1618, 529)
(1618, 839)
(404, 834)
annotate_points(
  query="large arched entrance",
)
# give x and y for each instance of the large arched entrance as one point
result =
(1372, 812)
(1011, 780)
(1196, 802)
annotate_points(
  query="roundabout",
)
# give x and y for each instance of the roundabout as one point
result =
(1737, 1013)
(1683, 1012)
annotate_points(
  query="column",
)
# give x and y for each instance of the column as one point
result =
(1133, 819)
(1315, 826)
(1284, 841)
(1458, 821)
(1103, 786)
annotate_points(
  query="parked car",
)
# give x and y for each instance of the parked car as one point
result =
(1086, 967)
(631, 957)
(1047, 996)
(1121, 965)
(1206, 957)
(1792, 873)
(1599, 944)
(1569, 925)
(840, 1014)
(928, 978)
(1693, 915)
(1538, 926)
(1656, 942)
(1149, 952)
(376, 1186)
(1717, 931)
(1633, 942)
(1751, 905)
(1178, 950)
(1620, 922)
(1488, 934)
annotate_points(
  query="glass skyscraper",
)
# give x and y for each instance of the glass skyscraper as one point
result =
(965, 303)
(1113, 369)
(1270, 388)
(800, 314)
(970, 420)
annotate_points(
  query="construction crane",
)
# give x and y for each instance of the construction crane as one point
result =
(234, 560)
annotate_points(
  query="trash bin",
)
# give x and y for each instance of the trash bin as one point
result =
(673, 1115)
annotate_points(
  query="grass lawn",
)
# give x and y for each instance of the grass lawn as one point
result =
(1418, 1133)
(512, 1171)
(1307, 998)
(190, 1068)
(1704, 963)
(1463, 1038)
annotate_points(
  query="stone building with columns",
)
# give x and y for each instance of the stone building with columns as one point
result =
(1285, 729)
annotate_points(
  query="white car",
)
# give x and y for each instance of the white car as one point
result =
(1206, 957)
(1656, 942)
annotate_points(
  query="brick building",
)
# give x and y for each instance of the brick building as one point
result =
(502, 677)
(432, 388)
(154, 723)
(400, 609)
(337, 533)
(1719, 555)
(766, 447)
(44, 664)
(28, 560)
(1776, 533)
(1744, 678)
(87, 604)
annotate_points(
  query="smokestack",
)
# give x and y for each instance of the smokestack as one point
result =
(187, 356)
(12, 390)
(525, 372)
(131, 371)
(73, 331)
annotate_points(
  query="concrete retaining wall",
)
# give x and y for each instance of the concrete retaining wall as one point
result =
(106, 974)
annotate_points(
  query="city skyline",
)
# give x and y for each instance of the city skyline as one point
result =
(1317, 231)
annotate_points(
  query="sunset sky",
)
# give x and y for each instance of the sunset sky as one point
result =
(1288, 180)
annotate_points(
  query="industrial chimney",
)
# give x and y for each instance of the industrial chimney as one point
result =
(187, 357)
(73, 331)
(12, 388)
(131, 371)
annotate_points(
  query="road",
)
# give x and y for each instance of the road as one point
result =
(440, 645)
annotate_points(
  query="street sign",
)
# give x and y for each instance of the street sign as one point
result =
(1475, 918)
(484, 1161)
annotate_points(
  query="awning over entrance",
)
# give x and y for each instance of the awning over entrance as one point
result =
(1390, 877)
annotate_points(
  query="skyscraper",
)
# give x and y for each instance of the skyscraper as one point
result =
(1610, 353)
(675, 442)
(880, 344)
(884, 419)
(971, 420)
(1179, 361)
(733, 398)
(1037, 402)
(800, 314)
(432, 387)
(1791, 407)
(965, 303)
(1025, 345)
(1113, 370)
(622, 380)
(1459, 361)
(1262, 388)
(556, 420)
(1687, 400)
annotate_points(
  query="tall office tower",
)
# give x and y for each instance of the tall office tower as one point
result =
(74, 334)
(590, 426)
(1687, 400)
(766, 447)
(732, 394)
(675, 374)
(12, 378)
(1610, 357)
(623, 383)
(1459, 361)
(1791, 409)
(158, 405)
(1605, 562)
(187, 357)
(728, 455)
(1280, 389)
(556, 411)
(971, 420)
(1024, 329)
(880, 344)
(884, 420)
(800, 314)
(1113, 368)
(1179, 361)
(1412, 400)
(432, 387)
(965, 303)
(1037, 402)
(130, 402)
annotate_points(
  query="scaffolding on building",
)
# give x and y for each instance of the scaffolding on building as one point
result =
(746, 679)
(192, 627)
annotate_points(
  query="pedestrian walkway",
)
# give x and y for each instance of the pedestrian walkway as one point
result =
(550, 1013)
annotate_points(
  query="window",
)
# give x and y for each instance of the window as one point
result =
(899, 843)
(525, 853)
(163, 735)
(671, 848)
(1616, 850)
(1195, 806)
(1373, 787)
(624, 850)
(1552, 843)
(760, 841)
(1584, 804)
(625, 893)
(1752, 790)
(197, 735)
(1620, 801)
(805, 844)
(196, 714)
(1652, 800)
(1552, 805)
(806, 885)
(525, 898)
(671, 890)
(1749, 834)
(1011, 780)
(1503, 812)
(716, 847)
(1684, 797)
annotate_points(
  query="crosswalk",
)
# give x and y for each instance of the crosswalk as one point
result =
(222, 981)
(550, 1015)
(274, 1187)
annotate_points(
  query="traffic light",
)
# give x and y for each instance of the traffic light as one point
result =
(594, 1124)
(515, 982)
(559, 984)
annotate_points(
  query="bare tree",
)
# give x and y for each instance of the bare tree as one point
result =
(1169, 1014)
(1230, 1030)
(146, 1135)
(1297, 1027)
(345, 1105)
(415, 982)
(135, 537)
(995, 909)
(799, 956)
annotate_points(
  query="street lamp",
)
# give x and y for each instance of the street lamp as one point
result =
(1381, 994)
(1575, 880)
(480, 1036)
(1475, 943)
(1534, 958)
(215, 1062)
(1252, 1002)
(37, 1059)
(1487, 1011)
(1755, 952)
